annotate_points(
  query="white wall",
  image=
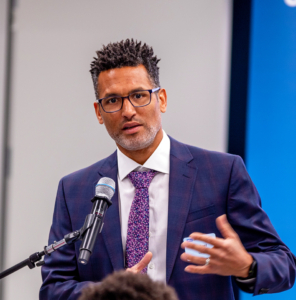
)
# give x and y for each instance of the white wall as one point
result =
(54, 129)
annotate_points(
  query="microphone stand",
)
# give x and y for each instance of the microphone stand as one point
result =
(68, 239)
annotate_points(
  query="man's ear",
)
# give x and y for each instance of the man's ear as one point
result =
(162, 96)
(98, 112)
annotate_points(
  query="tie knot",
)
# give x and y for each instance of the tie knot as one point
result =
(141, 179)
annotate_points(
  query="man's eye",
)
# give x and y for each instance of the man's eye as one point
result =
(112, 100)
(137, 96)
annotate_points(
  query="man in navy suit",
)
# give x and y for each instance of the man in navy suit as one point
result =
(193, 192)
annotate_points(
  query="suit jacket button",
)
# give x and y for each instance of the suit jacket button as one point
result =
(263, 291)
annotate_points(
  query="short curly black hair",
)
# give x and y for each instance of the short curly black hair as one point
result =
(126, 53)
(124, 285)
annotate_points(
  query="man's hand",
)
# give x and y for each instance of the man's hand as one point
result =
(227, 257)
(143, 263)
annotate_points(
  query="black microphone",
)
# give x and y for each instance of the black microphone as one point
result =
(105, 189)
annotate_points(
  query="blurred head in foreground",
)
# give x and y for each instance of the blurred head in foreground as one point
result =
(124, 285)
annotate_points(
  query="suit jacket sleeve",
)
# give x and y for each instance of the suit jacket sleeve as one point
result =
(60, 274)
(275, 262)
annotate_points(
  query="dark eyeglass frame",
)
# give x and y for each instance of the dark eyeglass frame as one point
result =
(99, 101)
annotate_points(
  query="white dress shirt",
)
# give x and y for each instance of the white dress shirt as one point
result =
(158, 203)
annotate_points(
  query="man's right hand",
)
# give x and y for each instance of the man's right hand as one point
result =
(143, 263)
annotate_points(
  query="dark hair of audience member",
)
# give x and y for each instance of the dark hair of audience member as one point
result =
(124, 285)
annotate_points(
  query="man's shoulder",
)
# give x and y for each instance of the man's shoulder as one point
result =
(90, 172)
(201, 155)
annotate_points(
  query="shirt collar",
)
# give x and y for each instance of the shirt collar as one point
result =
(158, 161)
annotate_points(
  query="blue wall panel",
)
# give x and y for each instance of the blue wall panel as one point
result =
(271, 117)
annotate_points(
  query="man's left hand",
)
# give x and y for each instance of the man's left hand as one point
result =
(227, 257)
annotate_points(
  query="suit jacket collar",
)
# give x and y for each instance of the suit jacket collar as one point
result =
(111, 232)
(182, 178)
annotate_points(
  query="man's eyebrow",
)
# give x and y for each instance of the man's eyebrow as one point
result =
(110, 95)
(131, 91)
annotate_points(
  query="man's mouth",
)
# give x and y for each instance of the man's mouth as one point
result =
(131, 127)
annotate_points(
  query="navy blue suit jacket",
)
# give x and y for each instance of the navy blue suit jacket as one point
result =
(203, 185)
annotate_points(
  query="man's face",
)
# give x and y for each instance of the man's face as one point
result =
(132, 128)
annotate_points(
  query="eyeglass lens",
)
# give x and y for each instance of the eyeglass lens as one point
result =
(140, 98)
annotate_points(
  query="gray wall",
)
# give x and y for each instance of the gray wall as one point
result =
(3, 55)
(54, 130)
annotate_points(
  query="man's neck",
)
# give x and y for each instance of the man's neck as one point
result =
(142, 155)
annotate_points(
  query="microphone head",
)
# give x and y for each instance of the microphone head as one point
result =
(105, 188)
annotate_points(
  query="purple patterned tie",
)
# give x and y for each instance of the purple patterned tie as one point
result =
(137, 240)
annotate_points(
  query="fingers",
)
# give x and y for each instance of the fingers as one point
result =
(198, 269)
(225, 228)
(199, 248)
(193, 259)
(216, 242)
(143, 263)
(131, 270)
(201, 269)
(227, 256)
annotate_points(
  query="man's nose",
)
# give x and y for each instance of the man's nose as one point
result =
(128, 110)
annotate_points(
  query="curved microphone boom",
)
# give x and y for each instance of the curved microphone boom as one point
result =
(105, 190)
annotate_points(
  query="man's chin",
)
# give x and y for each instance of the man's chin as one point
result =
(134, 146)
(134, 143)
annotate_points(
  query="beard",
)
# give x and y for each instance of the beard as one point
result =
(138, 142)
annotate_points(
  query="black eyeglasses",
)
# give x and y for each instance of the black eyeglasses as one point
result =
(137, 99)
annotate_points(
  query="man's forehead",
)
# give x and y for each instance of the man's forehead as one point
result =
(123, 79)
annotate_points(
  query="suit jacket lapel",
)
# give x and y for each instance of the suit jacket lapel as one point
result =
(112, 232)
(182, 178)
